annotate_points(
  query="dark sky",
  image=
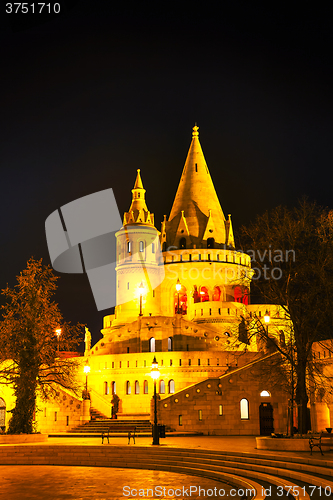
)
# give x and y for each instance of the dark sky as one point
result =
(92, 94)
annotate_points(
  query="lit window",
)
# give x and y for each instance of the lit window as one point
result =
(137, 387)
(106, 388)
(220, 410)
(162, 387)
(141, 246)
(180, 419)
(171, 386)
(244, 409)
(265, 394)
(169, 344)
(113, 387)
(128, 387)
(152, 344)
(128, 247)
(200, 414)
(145, 387)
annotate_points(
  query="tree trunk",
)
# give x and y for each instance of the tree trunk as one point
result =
(301, 398)
(23, 413)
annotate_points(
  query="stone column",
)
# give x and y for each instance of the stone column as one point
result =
(86, 410)
(330, 407)
(319, 417)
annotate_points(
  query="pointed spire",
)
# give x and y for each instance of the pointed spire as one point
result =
(138, 182)
(197, 199)
(138, 212)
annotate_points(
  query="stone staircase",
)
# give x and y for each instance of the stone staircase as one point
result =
(270, 476)
(96, 427)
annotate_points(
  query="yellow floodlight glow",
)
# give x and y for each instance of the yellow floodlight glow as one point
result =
(267, 317)
(155, 373)
(86, 369)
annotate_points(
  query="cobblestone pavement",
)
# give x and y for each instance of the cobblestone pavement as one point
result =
(102, 483)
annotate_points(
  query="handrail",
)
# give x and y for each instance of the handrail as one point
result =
(100, 403)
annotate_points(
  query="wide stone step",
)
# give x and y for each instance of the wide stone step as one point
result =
(295, 471)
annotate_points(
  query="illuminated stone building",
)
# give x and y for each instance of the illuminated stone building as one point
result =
(182, 295)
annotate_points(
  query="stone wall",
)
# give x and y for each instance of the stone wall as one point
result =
(213, 405)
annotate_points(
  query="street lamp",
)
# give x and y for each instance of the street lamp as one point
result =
(141, 290)
(86, 370)
(267, 319)
(154, 375)
(58, 333)
(178, 288)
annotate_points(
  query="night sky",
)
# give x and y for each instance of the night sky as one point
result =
(94, 93)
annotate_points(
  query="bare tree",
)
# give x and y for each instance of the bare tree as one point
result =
(292, 256)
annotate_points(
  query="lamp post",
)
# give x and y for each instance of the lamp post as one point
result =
(86, 370)
(267, 319)
(178, 288)
(58, 333)
(141, 289)
(154, 375)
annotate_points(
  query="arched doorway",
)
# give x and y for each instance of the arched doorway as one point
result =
(217, 293)
(2, 414)
(204, 294)
(266, 419)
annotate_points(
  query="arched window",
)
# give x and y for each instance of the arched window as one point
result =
(137, 387)
(169, 344)
(244, 409)
(2, 414)
(217, 293)
(128, 387)
(182, 301)
(141, 246)
(241, 295)
(128, 247)
(171, 386)
(152, 344)
(145, 387)
(162, 387)
(182, 243)
(204, 294)
(113, 387)
(210, 242)
(106, 388)
(265, 394)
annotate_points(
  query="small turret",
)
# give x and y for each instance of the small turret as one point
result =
(138, 212)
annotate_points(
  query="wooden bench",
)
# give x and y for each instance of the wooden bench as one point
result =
(316, 441)
(120, 428)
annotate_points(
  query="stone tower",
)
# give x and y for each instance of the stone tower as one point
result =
(139, 267)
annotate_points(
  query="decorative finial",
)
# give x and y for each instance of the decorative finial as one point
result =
(195, 132)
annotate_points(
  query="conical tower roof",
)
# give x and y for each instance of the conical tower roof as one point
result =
(196, 201)
(138, 212)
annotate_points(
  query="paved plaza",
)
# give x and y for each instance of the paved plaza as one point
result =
(46, 482)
